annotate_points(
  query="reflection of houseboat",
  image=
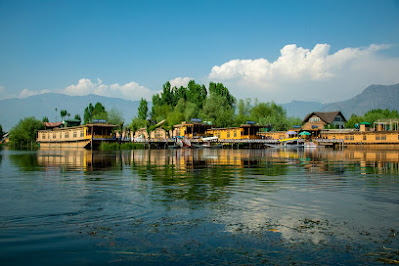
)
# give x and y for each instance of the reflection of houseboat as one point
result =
(85, 136)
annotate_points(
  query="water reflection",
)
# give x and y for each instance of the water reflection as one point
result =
(189, 206)
(174, 163)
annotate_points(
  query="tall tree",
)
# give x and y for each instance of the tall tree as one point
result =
(63, 113)
(77, 117)
(143, 109)
(221, 90)
(94, 112)
(196, 93)
(45, 119)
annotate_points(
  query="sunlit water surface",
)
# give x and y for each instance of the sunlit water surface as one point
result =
(204, 206)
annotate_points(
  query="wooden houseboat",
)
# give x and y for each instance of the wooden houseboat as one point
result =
(87, 136)
(193, 129)
(245, 131)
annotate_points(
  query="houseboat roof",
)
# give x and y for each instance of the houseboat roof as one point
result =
(100, 125)
(52, 124)
(241, 126)
(338, 131)
(327, 117)
(87, 125)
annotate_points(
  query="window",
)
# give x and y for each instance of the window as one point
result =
(337, 118)
(314, 119)
(352, 137)
(383, 137)
(228, 134)
(346, 137)
(364, 137)
(43, 136)
(53, 135)
(74, 134)
(66, 135)
(377, 137)
(81, 133)
(235, 134)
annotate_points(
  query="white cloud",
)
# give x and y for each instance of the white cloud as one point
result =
(177, 82)
(306, 74)
(130, 90)
(27, 93)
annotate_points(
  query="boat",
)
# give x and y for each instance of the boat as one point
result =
(88, 136)
(289, 143)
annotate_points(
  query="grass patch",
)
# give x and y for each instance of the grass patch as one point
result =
(106, 146)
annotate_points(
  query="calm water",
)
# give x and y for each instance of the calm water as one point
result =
(186, 207)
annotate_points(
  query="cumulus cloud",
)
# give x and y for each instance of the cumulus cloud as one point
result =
(130, 90)
(177, 82)
(306, 74)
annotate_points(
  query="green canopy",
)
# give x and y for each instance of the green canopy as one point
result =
(304, 133)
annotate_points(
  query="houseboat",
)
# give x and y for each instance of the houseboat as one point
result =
(87, 136)
(244, 131)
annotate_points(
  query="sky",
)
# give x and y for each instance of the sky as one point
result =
(279, 51)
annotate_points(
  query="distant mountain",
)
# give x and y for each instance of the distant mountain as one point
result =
(373, 97)
(13, 110)
(301, 109)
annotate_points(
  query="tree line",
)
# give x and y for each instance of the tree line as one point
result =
(215, 104)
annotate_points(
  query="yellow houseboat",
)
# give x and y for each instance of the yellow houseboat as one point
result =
(193, 129)
(246, 131)
(87, 136)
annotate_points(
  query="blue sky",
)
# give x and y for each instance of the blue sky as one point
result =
(128, 49)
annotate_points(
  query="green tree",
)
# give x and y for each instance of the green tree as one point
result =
(353, 120)
(243, 111)
(115, 117)
(143, 109)
(77, 117)
(217, 109)
(26, 130)
(45, 119)
(94, 112)
(63, 113)
(138, 123)
(221, 90)
(196, 93)
(1, 132)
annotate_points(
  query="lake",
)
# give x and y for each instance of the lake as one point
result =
(200, 206)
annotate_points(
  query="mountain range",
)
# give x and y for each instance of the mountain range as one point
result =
(12, 110)
(373, 97)
(39, 106)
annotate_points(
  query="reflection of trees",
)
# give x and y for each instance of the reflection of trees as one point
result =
(27, 161)
(186, 178)
(203, 175)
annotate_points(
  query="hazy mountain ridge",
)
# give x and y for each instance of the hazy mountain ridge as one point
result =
(13, 110)
(373, 97)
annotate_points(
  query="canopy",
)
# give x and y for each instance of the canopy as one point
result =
(291, 133)
(304, 133)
